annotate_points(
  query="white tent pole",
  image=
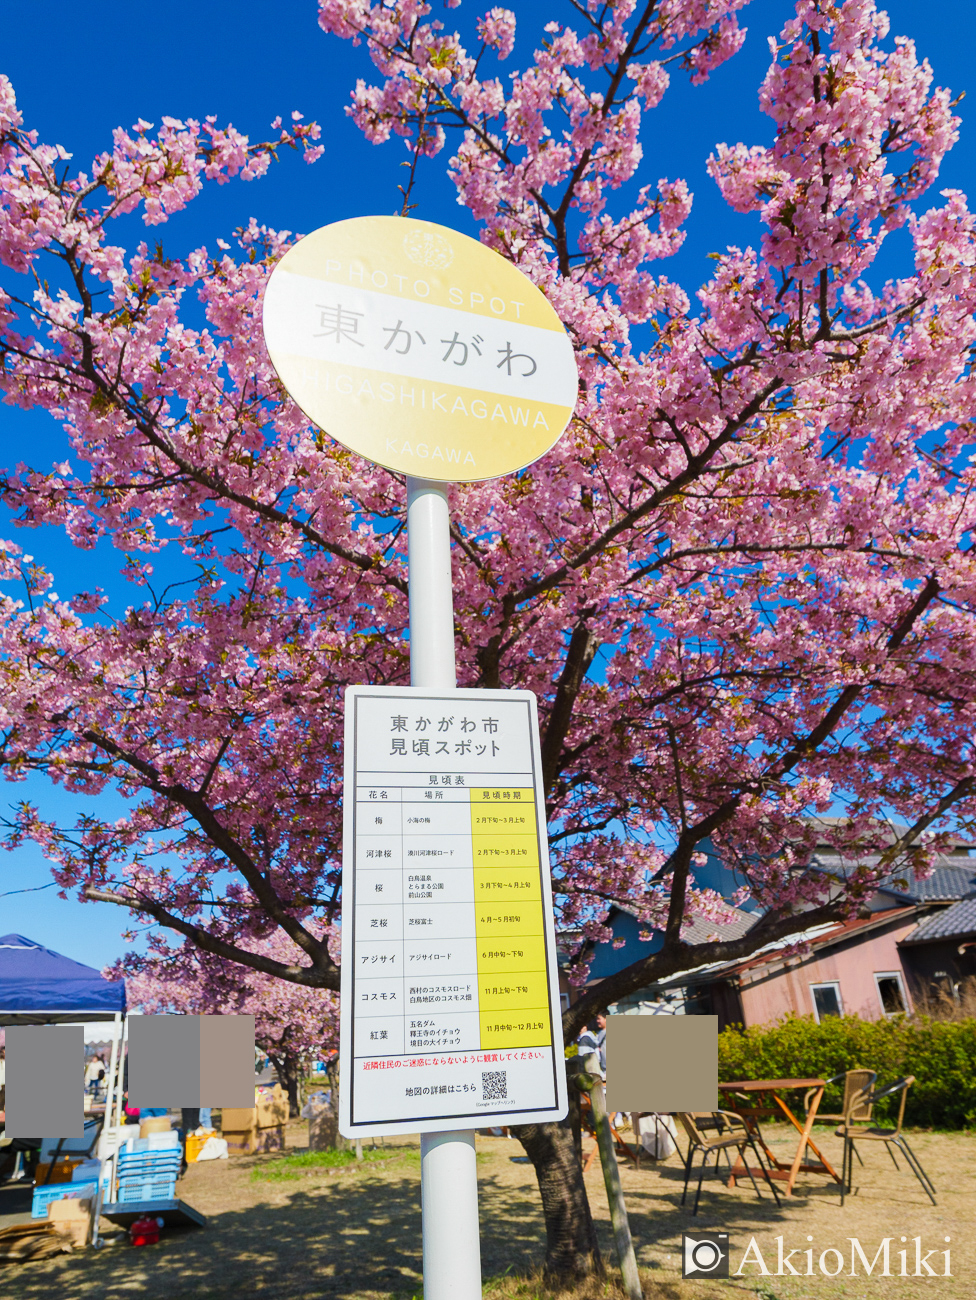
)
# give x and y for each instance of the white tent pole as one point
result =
(113, 1180)
(107, 1122)
(113, 1063)
(122, 1050)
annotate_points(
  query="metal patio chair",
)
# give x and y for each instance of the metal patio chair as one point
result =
(852, 1132)
(855, 1082)
(739, 1138)
(752, 1109)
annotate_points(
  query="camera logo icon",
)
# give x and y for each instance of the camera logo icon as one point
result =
(707, 1253)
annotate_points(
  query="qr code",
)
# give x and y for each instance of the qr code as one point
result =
(494, 1085)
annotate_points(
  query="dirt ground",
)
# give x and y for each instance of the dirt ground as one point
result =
(281, 1232)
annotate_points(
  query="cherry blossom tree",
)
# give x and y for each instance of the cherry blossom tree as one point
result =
(741, 584)
(293, 1024)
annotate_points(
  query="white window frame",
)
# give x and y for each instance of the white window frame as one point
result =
(564, 1001)
(891, 975)
(826, 984)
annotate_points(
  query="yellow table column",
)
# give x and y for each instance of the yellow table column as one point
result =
(512, 987)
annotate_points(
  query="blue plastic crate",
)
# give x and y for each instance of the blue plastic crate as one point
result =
(137, 1180)
(151, 1161)
(156, 1142)
(150, 1157)
(43, 1196)
(148, 1175)
(159, 1153)
(145, 1172)
(153, 1189)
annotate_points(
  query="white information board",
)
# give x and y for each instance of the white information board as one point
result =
(450, 1013)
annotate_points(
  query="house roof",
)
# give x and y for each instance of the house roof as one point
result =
(701, 929)
(828, 936)
(954, 877)
(818, 936)
(952, 923)
(890, 831)
(633, 938)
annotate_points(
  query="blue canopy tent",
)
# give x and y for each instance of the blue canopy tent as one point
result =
(40, 987)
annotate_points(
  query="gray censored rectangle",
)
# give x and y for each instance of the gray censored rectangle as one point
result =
(45, 1081)
(179, 1061)
(662, 1063)
(226, 1061)
(164, 1061)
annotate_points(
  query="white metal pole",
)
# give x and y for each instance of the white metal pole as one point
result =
(431, 590)
(448, 1173)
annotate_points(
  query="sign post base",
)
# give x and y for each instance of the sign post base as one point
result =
(449, 1192)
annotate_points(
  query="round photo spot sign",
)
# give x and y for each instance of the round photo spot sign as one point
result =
(420, 349)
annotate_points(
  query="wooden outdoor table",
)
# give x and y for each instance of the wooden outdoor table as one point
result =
(768, 1090)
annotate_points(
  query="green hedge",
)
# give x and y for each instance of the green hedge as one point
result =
(941, 1055)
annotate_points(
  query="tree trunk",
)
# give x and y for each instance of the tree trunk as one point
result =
(571, 1247)
(287, 1067)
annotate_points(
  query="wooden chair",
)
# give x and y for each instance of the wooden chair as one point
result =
(852, 1131)
(739, 1138)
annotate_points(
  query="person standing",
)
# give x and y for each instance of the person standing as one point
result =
(94, 1073)
(189, 1123)
(594, 1039)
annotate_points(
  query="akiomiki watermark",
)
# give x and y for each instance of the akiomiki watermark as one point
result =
(891, 1257)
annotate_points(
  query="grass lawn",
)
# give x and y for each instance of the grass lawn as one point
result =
(319, 1226)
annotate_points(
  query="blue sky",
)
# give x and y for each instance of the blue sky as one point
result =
(79, 72)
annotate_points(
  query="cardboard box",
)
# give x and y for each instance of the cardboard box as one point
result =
(268, 1111)
(72, 1220)
(247, 1142)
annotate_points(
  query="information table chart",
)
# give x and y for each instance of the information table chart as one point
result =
(449, 991)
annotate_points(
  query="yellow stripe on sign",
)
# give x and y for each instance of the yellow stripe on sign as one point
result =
(506, 954)
(508, 919)
(512, 992)
(414, 426)
(503, 797)
(502, 1029)
(416, 261)
(503, 821)
(491, 849)
(503, 884)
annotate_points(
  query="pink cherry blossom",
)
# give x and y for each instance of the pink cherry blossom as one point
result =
(741, 584)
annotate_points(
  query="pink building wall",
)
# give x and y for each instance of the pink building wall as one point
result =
(769, 993)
